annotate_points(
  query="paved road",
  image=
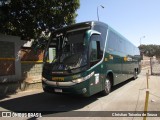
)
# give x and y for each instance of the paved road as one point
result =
(128, 96)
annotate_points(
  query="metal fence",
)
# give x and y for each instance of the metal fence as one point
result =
(155, 66)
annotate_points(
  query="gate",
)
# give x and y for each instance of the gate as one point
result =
(155, 66)
(7, 58)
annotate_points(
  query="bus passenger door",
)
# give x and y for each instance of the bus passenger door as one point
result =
(95, 54)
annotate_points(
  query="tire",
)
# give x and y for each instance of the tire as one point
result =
(135, 75)
(107, 88)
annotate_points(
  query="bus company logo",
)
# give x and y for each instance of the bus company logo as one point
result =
(6, 114)
(110, 57)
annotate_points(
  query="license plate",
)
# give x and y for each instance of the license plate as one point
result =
(58, 90)
(58, 78)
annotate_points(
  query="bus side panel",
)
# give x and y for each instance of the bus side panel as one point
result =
(114, 64)
(96, 81)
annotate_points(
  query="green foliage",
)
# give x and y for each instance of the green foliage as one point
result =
(28, 18)
(150, 50)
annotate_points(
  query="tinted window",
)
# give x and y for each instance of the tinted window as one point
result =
(95, 49)
(112, 41)
(116, 42)
(122, 45)
(102, 30)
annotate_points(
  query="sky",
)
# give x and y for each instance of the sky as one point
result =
(134, 19)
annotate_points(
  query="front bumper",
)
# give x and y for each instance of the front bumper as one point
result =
(66, 87)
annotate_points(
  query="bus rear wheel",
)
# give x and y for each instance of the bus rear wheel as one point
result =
(107, 87)
(135, 75)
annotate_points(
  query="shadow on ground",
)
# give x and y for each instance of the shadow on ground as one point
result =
(50, 103)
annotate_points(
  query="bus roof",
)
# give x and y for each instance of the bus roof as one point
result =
(88, 24)
(74, 26)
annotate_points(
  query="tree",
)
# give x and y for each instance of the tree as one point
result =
(150, 50)
(28, 18)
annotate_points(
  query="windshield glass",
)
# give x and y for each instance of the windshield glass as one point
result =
(67, 51)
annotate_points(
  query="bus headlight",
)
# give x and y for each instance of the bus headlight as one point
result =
(79, 80)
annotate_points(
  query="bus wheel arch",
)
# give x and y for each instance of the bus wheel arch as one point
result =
(110, 75)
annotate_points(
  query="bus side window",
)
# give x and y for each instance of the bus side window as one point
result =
(95, 51)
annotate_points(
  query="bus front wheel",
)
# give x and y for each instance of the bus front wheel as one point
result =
(107, 87)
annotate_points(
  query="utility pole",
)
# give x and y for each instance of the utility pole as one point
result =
(98, 11)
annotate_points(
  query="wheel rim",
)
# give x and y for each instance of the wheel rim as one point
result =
(107, 86)
(135, 74)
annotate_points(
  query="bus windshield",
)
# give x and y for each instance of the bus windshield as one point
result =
(67, 51)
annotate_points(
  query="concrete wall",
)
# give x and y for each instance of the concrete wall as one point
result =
(31, 65)
(18, 65)
(31, 72)
(10, 63)
(145, 62)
